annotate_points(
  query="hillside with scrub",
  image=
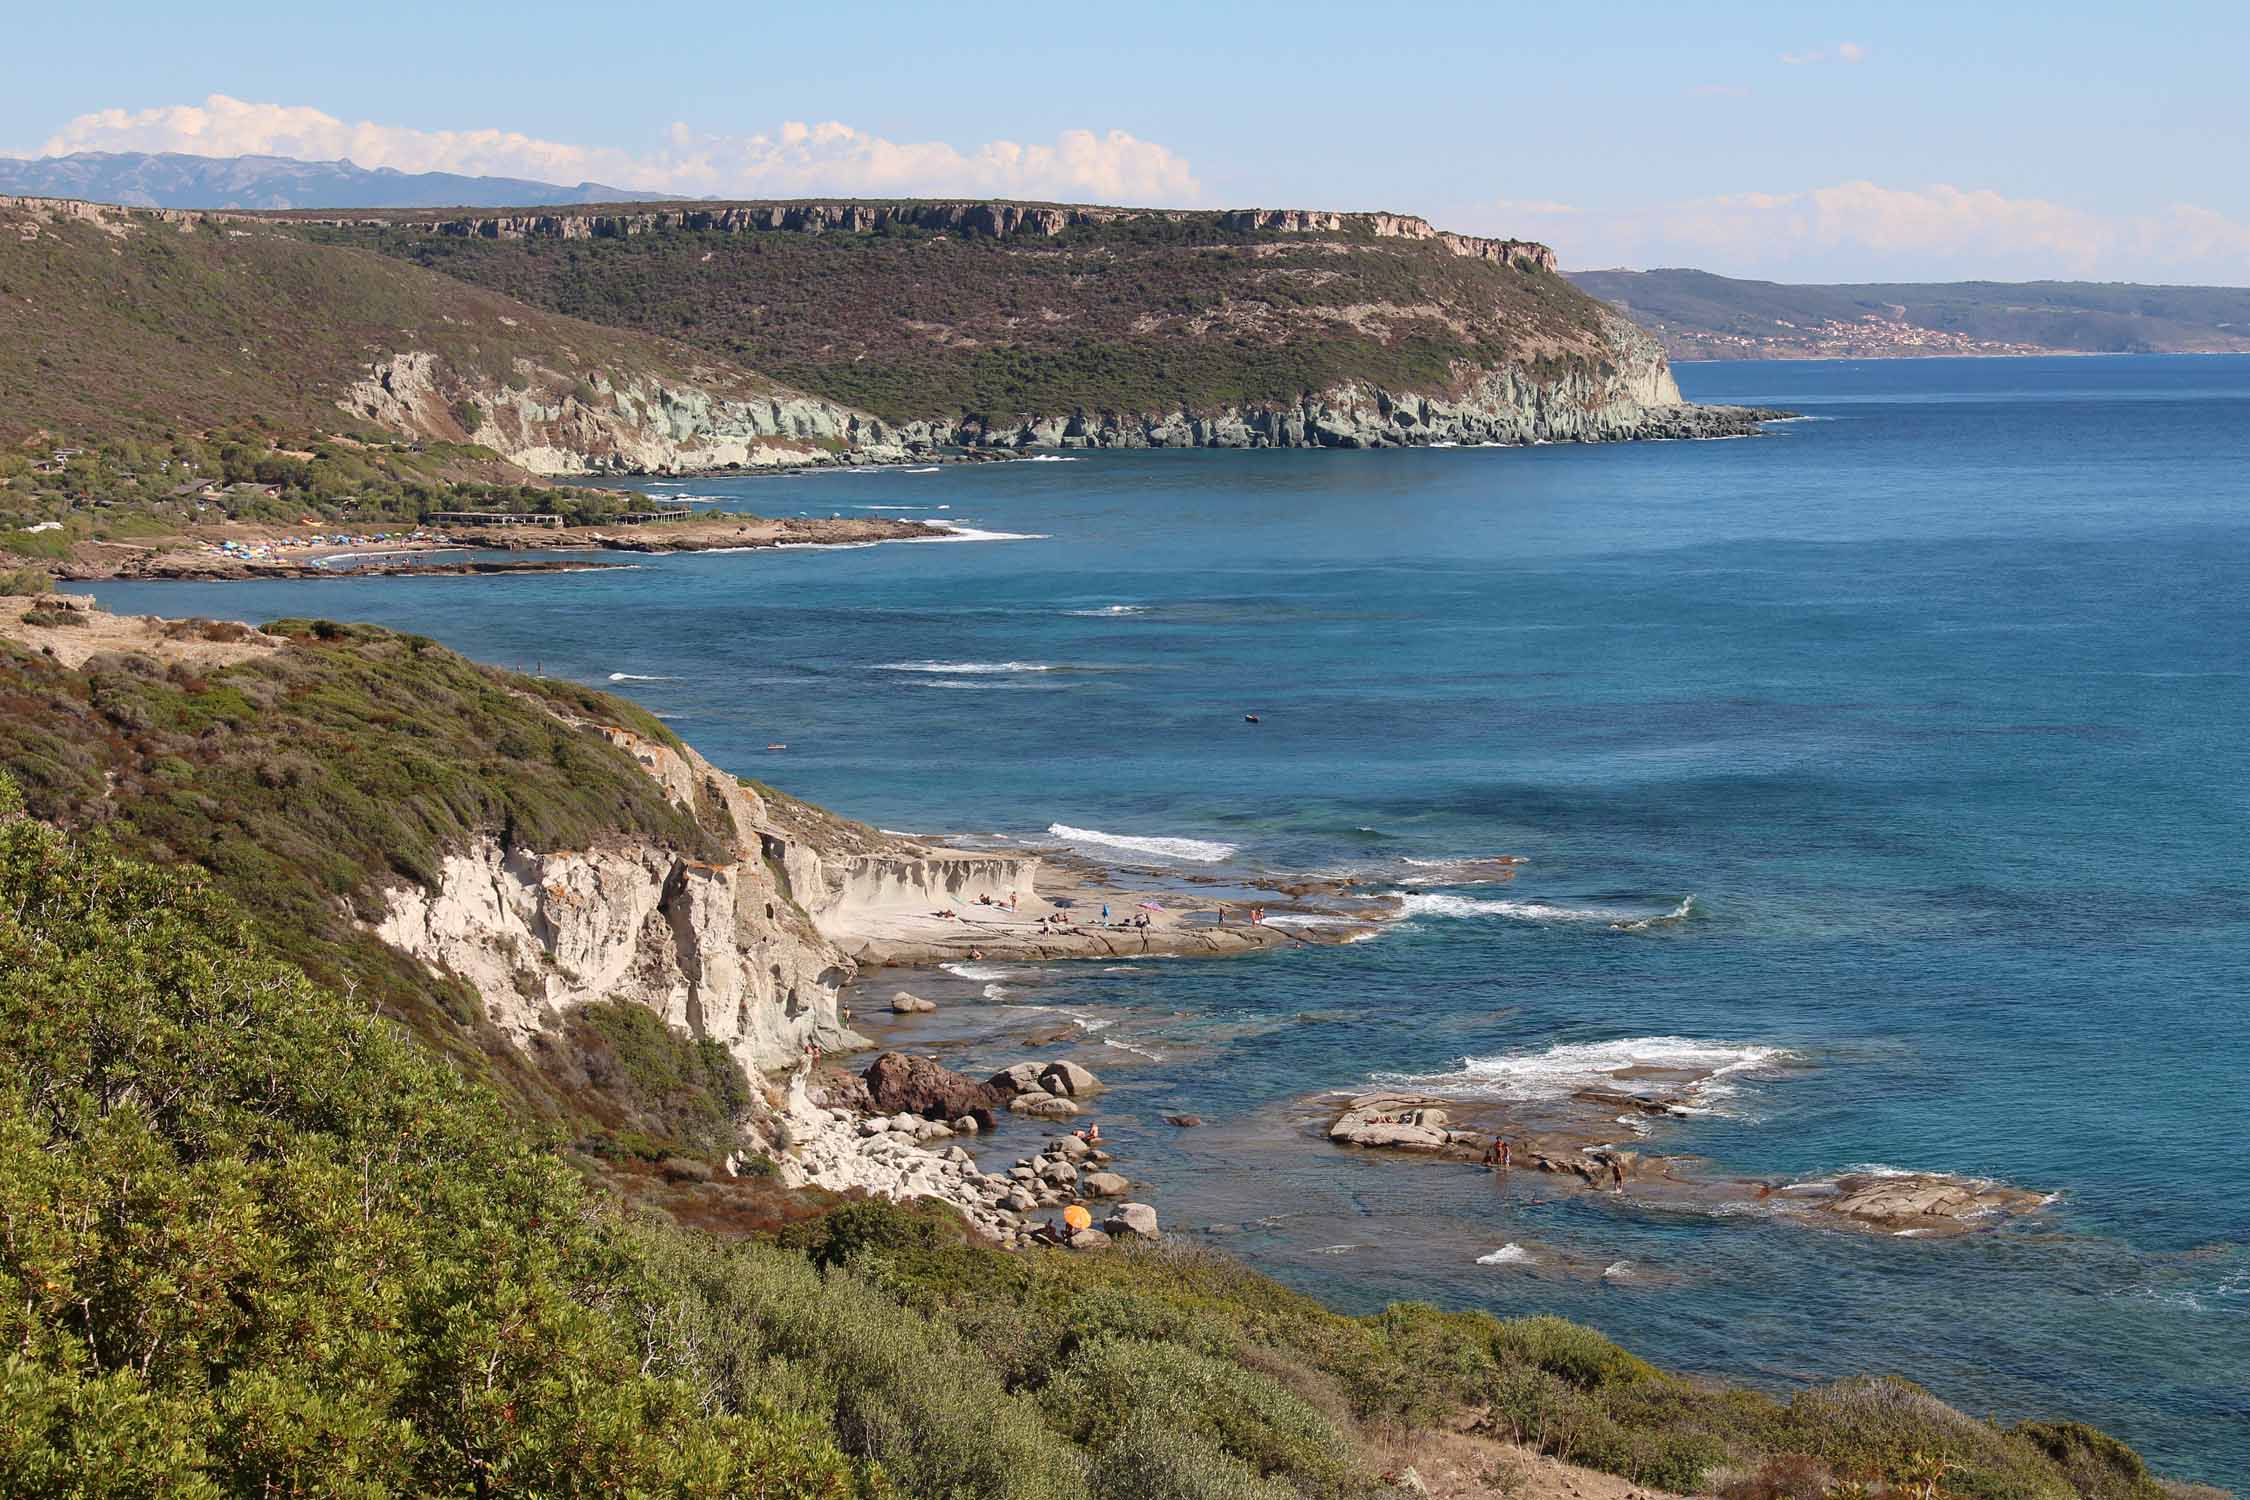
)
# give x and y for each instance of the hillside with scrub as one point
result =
(1050, 323)
(176, 335)
(288, 1214)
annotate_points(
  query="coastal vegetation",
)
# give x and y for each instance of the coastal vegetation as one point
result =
(123, 489)
(160, 370)
(266, 1242)
(289, 1218)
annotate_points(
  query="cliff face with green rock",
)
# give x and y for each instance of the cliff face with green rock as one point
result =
(1020, 325)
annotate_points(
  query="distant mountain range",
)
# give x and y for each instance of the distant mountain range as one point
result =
(172, 180)
(1697, 315)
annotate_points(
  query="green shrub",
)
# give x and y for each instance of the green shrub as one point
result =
(1110, 1383)
(263, 1245)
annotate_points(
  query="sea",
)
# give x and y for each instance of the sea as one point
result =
(1921, 721)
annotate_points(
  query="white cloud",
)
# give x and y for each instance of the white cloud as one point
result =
(1842, 52)
(795, 158)
(1862, 231)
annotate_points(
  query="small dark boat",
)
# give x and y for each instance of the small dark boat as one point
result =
(1249, 718)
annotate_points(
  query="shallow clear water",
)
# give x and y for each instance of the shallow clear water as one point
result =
(1936, 704)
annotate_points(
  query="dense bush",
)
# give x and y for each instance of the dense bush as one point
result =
(259, 1244)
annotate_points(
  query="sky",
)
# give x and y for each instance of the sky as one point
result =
(1802, 142)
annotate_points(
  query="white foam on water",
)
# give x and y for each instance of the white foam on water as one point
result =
(1445, 904)
(1510, 1254)
(1109, 611)
(1307, 919)
(1561, 1071)
(965, 668)
(1122, 1045)
(956, 531)
(1049, 458)
(1088, 1024)
(1618, 1270)
(1203, 851)
(977, 973)
(990, 684)
(807, 547)
(639, 677)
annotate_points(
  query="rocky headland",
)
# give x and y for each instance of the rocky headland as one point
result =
(1241, 328)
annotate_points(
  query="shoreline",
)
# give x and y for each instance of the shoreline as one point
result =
(216, 554)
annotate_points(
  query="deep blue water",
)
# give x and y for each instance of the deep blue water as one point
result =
(1936, 704)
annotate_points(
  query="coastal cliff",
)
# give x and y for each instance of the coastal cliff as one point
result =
(1631, 396)
(738, 949)
(547, 421)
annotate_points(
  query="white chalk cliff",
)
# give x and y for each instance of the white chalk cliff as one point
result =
(741, 951)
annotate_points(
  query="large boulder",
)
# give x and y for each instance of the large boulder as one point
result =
(1131, 1219)
(1068, 1079)
(1017, 1078)
(1104, 1185)
(1088, 1239)
(917, 1086)
(1042, 1106)
(1398, 1121)
(904, 1004)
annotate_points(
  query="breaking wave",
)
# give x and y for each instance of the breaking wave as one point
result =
(976, 973)
(1688, 1067)
(1510, 1254)
(1441, 904)
(1109, 611)
(956, 531)
(1203, 851)
(639, 677)
(965, 668)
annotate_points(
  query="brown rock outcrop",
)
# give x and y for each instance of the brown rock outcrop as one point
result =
(899, 1083)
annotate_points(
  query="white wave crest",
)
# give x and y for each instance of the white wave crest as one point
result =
(1510, 1254)
(1109, 611)
(1442, 904)
(977, 973)
(1203, 851)
(1562, 1070)
(965, 668)
(956, 531)
(1050, 458)
(639, 677)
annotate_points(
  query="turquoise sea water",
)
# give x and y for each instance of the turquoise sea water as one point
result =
(1935, 703)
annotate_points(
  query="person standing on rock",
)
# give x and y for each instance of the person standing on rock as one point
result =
(1616, 1175)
